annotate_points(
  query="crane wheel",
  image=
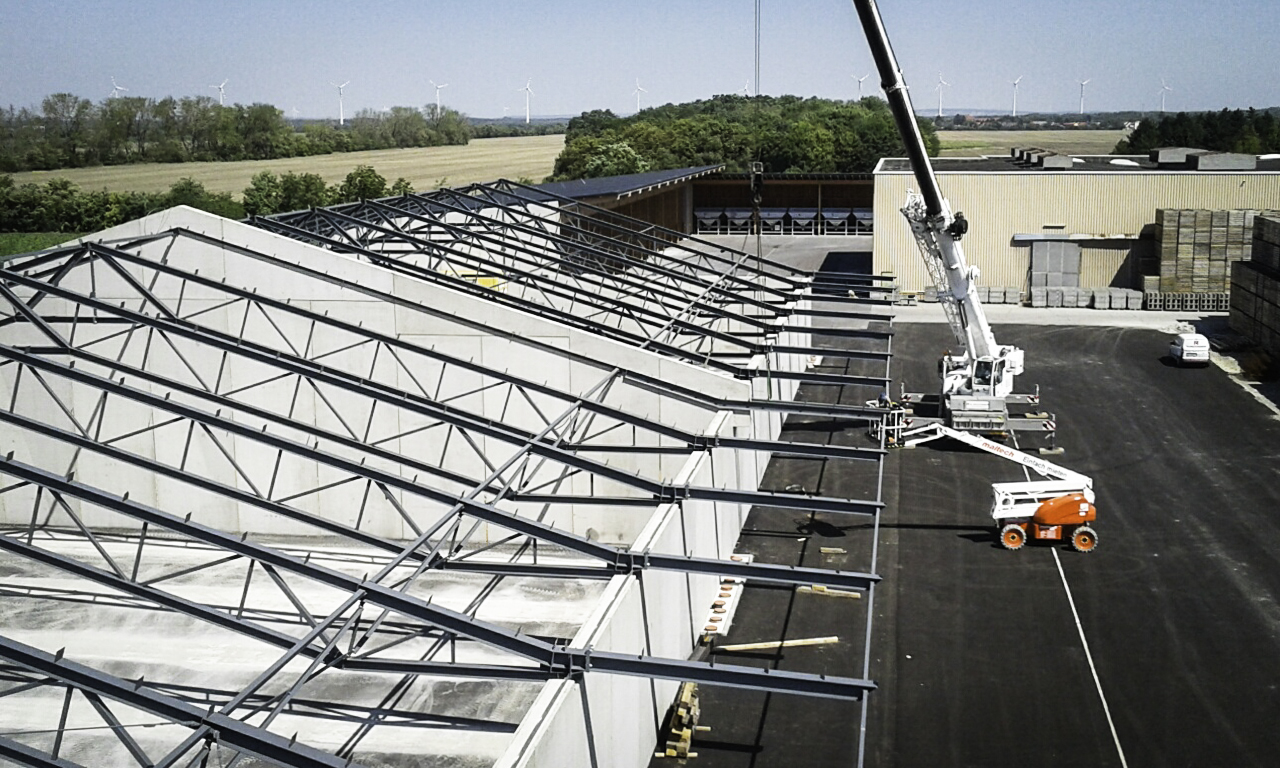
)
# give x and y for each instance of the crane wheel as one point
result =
(1012, 536)
(1084, 539)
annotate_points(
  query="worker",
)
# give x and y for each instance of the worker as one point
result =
(884, 400)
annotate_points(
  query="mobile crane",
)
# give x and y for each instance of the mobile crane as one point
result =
(977, 384)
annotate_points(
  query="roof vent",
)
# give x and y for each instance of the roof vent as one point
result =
(1223, 161)
(1174, 157)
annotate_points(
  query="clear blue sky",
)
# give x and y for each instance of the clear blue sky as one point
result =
(587, 54)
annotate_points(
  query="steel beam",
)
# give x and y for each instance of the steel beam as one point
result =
(24, 755)
(389, 395)
(230, 731)
(620, 562)
(563, 661)
(689, 438)
(642, 380)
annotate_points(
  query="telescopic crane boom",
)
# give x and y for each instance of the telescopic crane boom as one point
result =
(985, 369)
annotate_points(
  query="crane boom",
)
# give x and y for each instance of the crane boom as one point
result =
(986, 368)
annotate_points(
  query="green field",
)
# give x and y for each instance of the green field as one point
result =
(1067, 142)
(24, 242)
(530, 157)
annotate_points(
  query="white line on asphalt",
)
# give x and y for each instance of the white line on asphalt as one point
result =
(1097, 683)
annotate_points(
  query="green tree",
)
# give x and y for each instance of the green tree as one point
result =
(402, 187)
(363, 183)
(188, 191)
(263, 195)
(299, 191)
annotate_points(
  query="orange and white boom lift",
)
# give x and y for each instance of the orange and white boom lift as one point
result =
(1059, 507)
(977, 384)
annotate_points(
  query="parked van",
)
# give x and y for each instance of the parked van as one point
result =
(1189, 348)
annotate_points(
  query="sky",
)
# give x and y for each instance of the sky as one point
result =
(579, 55)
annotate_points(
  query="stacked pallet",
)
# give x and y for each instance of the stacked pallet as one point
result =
(1255, 289)
(1198, 247)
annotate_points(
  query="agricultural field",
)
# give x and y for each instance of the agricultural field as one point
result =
(530, 157)
(1067, 142)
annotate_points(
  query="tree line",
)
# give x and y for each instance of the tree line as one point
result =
(61, 206)
(72, 132)
(785, 133)
(1252, 132)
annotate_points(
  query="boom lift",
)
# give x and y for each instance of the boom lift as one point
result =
(977, 384)
(1059, 507)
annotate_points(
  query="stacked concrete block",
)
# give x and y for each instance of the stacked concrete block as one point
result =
(1054, 296)
(1039, 297)
(984, 294)
(1070, 297)
(1266, 243)
(1102, 298)
(1197, 248)
(1255, 289)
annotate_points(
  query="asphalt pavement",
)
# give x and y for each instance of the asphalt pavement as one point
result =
(1161, 648)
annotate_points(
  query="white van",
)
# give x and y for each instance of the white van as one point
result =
(1189, 348)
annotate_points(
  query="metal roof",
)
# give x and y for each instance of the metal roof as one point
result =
(1131, 164)
(624, 186)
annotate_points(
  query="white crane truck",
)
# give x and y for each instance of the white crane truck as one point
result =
(977, 384)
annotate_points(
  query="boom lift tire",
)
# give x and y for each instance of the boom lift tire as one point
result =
(1012, 536)
(1084, 539)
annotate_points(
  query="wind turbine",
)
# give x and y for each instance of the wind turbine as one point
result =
(528, 91)
(341, 116)
(939, 87)
(296, 113)
(637, 92)
(438, 87)
(1083, 83)
(221, 91)
(860, 79)
(116, 88)
(1164, 89)
(746, 89)
(1015, 94)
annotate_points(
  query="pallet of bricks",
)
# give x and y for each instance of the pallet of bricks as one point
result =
(1255, 289)
(1197, 249)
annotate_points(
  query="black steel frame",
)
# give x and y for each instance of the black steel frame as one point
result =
(529, 471)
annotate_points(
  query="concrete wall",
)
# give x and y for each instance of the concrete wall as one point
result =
(465, 326)
(1000, 205)
(661, 614)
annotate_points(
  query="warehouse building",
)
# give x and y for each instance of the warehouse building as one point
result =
(1095, 216)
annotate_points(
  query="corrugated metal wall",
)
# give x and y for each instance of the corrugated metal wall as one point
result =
(1000, 205)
